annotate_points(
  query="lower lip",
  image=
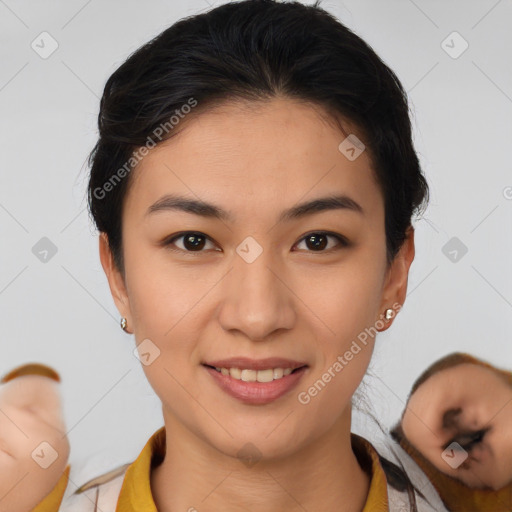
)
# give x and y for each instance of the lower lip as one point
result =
(256, 393)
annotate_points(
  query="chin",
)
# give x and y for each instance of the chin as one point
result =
(500, 483)
(475, 482)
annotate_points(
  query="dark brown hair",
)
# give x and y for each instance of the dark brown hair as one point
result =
(255, 50)
(452, 360)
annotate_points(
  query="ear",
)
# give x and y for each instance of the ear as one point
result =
(115, 279)
(395, 286)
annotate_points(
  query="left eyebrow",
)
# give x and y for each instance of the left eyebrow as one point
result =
(209, 210)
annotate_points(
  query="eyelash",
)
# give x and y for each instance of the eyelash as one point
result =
(471, 438)
(343, 242)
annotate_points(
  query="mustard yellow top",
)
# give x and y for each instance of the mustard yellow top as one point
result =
(52, 502)
(136, 494)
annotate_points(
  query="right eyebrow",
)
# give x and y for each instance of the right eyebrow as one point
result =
(204, 209)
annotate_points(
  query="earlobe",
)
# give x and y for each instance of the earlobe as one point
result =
(114, 277)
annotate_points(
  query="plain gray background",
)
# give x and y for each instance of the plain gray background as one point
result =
(60, 312)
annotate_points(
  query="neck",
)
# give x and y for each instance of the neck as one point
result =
(324, 475)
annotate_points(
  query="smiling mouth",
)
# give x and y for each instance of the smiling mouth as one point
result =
(256, 386)
(248, 375)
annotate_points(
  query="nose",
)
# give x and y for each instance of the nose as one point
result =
(256, 299)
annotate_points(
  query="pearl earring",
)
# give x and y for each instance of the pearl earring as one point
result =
(124, 323)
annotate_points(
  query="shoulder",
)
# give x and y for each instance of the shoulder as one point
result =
(394, 460)
(98, 494)
(125, 483)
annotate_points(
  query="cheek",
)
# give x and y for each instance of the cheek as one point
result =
(162, 293)
(343, 310)
(346, 301)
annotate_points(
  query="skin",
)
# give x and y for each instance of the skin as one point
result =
(292, 301)
(485, 401)
(31, 414)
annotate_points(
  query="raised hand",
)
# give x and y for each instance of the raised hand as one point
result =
(460, 419)
(34, 448)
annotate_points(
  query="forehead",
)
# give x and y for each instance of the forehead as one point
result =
(271, 153)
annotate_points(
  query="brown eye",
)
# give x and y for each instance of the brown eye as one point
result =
(192, 242)
(468, 439)
(195, 241)
(318, 241)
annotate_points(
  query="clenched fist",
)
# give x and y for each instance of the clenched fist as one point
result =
(460, 419)
(34, 448)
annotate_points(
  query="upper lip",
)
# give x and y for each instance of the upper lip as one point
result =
(255, 364)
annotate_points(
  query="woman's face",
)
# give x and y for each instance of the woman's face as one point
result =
(469, 405)
(249, 284)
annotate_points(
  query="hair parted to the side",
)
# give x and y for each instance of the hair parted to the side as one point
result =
(456, 359)
(256, 50)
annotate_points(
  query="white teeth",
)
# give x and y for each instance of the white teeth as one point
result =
(265, 375)
(236, 373)
(249, 375)
(255, 375)
(278, 373)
